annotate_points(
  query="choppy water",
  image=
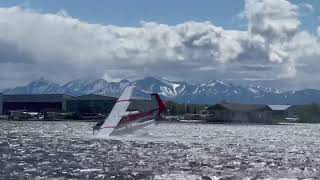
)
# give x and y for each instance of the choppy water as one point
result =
(43, 150)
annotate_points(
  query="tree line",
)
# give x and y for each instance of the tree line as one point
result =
(179, 109)
(308, 113)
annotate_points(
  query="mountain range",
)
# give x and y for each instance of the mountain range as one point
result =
(179, 91)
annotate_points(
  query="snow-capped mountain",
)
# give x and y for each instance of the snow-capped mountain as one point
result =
(257, 89)
(41, 86)
(163, 87)
(206, 93)
(98, 86)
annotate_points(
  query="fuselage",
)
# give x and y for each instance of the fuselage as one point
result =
(138, 117)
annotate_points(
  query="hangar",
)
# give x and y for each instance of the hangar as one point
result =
(33, 103)
(90, 103)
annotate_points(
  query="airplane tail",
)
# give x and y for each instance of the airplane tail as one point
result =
(161, 105)
(120, 110)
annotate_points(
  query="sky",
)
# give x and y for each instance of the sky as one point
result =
(269, 42)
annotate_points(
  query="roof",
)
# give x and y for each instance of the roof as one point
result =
(240, 107)
(279, 107)
(92, 97)
(35, 98)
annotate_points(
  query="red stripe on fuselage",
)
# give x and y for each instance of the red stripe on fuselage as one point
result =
(136, 117)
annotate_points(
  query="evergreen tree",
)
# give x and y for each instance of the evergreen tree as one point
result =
(188, 109)
(173, 110)
(195, 110)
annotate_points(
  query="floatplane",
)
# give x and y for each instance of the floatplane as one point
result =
(121, 120)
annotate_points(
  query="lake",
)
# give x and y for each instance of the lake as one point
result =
(43, 150)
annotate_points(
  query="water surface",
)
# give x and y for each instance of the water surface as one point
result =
(43, 150)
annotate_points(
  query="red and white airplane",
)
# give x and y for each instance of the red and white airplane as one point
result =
(120, 119)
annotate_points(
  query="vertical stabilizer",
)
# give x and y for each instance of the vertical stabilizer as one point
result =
(161, 105)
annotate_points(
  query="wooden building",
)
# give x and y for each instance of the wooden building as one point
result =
(280, 112)
(240, 113)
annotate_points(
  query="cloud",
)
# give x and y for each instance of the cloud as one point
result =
(11, 53)
(276, 23)
(60, 47)
(305, 9)
(273, 23)
(273, 19)
(308, 6)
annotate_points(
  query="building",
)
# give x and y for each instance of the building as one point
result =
(240, 113)
(142, 105)
(34, 103)
(103, 104)
(90, 103)
(85, 104)
(280, 111)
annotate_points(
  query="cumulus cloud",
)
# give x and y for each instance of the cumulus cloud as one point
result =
(276, 23)
(308, 7)
(305, 9)
(110, 51)
(60, 47)
(273, 19)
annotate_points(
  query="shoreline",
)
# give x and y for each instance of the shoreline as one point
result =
(165, 122)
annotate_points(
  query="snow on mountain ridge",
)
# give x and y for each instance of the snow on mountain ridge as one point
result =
(210, 92)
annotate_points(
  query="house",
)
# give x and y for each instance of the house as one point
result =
(240, 113)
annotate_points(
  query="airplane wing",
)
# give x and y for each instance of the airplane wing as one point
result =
(118, 111)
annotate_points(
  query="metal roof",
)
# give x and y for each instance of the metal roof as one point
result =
(92, 97)
(239, 107)
(35, 98)
(279, 107)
